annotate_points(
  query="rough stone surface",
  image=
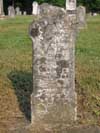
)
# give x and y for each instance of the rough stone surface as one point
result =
(47, 9)
(81, 17)
(11, 11)
(36, 8)
(54, 98)
(1, 7)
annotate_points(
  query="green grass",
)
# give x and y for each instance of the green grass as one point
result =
(88, 70)
(15, 44)
(16, 70)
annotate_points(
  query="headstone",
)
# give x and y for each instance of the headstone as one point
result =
(95, 14)
(1, 8)
(17, 11)
(11, 11)
(24, 13)
(36, 8)
(81, 17)
(20, 13)
(54, 98)
(70, 5)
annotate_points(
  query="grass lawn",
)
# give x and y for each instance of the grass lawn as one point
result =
(16, 71)
(88, 71)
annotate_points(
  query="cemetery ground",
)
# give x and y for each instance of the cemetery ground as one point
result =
(16, 72)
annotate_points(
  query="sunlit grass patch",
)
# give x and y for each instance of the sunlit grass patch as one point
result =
(88, 70)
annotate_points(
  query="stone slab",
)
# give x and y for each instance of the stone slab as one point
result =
(54, 97)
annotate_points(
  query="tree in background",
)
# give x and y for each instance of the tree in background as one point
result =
(25, 5)
(91, 5)
(60, 3)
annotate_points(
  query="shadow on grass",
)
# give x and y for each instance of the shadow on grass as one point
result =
(22, 84)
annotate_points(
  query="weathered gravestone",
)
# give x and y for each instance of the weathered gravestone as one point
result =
(81, 17)
(11, 12)
(54, 97)
(70, 5)
(17, 11)
(36, 8)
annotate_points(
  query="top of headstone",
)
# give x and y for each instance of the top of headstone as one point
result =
(70, 5)
(81, 6)
(36, 8)
(50, 13)
(35, 3)
(10, 7)
(46, 9)
(17, 7)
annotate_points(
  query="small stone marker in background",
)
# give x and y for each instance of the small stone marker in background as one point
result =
(17, 11)
(70, 5)
(54, 98)
(11, 12)
(95, 14)
(24, 13)
(89, 14)
(20, 13)
(36, 9)
(81, 17)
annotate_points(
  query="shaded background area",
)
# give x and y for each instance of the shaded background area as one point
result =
(22, 85)
(26, 5)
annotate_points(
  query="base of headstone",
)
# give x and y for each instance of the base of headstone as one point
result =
(60, 129)
(2, 17)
